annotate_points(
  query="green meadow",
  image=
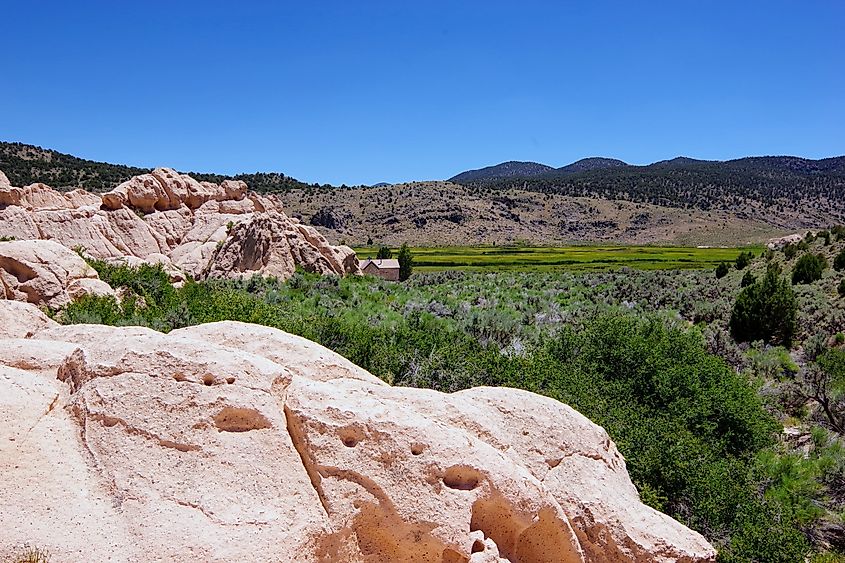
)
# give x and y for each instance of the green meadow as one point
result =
(548, 258)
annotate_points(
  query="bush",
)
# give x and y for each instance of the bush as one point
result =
(766, 310)
(841, 288)
(747, 279)
(790, 250)
(722, 270)
(839, 261)
(743, 260)
(809, 268)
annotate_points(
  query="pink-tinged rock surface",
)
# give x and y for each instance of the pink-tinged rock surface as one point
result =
(46, 273)
(201, 227)
(234, 442)
(22, 320)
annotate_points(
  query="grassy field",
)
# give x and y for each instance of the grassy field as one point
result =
(545, 258)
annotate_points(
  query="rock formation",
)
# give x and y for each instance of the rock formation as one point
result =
(46, 273)
(232, 442)
(168, 214)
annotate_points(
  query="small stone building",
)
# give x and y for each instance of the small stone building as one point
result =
(387, 268)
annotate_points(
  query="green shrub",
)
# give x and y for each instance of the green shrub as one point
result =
(743, 260)
(747, 279)
(839, 261)
(841, 288)
(722, 270)
(790, 250)
(809, 268)
(826, 236)
(766, 310)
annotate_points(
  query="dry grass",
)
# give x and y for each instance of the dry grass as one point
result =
(27, 554)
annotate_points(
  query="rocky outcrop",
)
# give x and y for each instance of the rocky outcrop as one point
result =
(273, 245)
(46, 273)
(231, 442)
(41, 196)
(780, 242)
(165, 213)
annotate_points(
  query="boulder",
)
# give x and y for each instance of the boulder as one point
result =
(41, 196)
(9, 194)
(21, 320)
(46, 273)
(267, 447)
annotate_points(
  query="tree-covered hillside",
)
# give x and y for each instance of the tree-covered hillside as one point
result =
(27, 164)
(684, 182)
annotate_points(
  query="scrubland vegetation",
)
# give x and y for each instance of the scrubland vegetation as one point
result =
(725, 394)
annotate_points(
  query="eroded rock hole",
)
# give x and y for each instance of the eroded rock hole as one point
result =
(461, 477)
(417, 449)
(230, 380)
(208, 379)
(233, 419)
(477, 546)
(351, 436)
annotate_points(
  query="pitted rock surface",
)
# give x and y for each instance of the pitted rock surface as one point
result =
(235, 442)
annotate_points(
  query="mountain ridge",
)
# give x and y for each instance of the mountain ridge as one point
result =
(508, 169)
(681, 200)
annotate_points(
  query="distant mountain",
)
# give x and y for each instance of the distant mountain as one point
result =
(701, 184)
(789, 183)
(587, 164)
(677, 161)
(517, 169)
(510, 169)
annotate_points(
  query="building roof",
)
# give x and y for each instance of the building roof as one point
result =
(380, 263)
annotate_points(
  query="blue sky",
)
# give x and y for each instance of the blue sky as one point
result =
(361, 92)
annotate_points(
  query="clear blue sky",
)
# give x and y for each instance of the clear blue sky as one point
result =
(360, 92)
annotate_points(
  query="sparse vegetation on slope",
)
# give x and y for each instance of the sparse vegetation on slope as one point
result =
(682, 201)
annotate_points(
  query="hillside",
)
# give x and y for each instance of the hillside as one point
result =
(27, 164)
(444, 213)
(588, 164)
(772, 181)
(510, 169)
(679, 201)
